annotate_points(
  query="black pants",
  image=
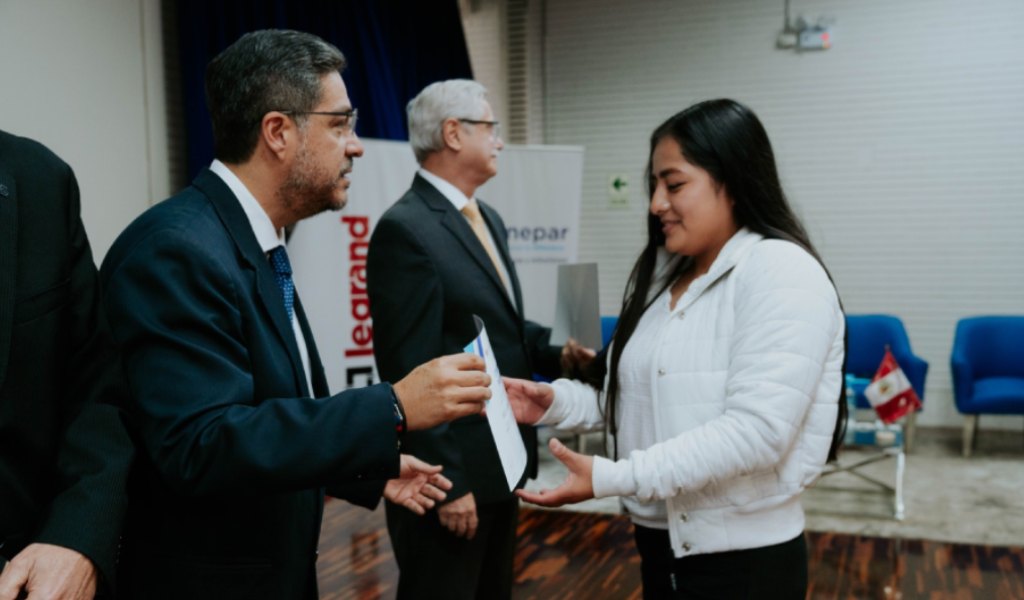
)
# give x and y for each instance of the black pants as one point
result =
(777, 572)
(434, 563)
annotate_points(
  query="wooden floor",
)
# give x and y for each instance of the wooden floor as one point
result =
(586, 555)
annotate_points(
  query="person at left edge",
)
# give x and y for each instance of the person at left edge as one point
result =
(237, 433)
(64, 453)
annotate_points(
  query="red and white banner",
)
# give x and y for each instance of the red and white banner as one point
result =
(890, 392)
(537, 191)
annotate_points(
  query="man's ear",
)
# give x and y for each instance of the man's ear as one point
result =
(278, 133)
(451, 134)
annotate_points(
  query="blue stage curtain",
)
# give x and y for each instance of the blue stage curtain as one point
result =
(394, 48)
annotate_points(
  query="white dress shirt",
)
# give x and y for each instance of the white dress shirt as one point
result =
(268, 239)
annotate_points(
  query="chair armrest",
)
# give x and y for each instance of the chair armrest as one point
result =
(963, 380)
(916, 371)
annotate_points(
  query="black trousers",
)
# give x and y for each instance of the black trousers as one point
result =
(435, 563)
(775, 572)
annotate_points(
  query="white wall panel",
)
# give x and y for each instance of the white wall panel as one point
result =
(902, 147)
(483, 22)
(75, 77)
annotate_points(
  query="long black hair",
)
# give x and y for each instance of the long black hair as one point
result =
(726, 139)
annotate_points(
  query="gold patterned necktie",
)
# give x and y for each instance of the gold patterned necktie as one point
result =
(476, 221)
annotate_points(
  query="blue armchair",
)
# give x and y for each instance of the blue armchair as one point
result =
(608, 324)
(987, 365)
(867, 337)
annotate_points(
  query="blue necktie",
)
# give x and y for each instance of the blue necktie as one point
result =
(283, 274)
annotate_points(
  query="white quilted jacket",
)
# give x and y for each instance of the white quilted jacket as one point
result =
(746, 382)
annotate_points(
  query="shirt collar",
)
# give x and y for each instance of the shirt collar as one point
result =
(260, 223)
(449, 191)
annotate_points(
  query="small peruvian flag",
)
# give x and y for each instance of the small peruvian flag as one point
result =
(890, 392)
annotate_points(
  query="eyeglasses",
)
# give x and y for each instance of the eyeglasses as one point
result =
(349, 117)
(495, 126)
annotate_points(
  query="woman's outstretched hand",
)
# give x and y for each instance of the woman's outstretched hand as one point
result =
(578, 485)
(529, 400)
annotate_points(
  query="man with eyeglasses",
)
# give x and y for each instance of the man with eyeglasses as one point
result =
(437, 257)
(237, 433)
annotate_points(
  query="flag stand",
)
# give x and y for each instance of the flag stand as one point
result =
(883, 442)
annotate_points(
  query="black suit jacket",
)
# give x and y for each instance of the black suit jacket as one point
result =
(427, 275)
(64, 454)
(227, 495)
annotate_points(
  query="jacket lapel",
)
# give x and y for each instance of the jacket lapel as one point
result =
(456, 224)
(499, 236)
(237, 224)
(8, 264)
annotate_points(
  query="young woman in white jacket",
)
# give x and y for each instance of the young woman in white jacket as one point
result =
(721, 387)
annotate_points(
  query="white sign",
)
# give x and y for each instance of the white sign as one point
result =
(618, 189)
(507, 439)
(577, 314)
(537, 191)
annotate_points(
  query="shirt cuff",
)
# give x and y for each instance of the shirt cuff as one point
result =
(559, 408)
(612, 478)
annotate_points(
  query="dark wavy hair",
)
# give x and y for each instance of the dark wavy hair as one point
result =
(726, 139)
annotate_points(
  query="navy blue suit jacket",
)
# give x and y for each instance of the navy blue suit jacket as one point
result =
(64, 454)
(226, 497)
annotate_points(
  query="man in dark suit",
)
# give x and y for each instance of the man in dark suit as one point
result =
(64, 454)
(236, 432)
(437, 257)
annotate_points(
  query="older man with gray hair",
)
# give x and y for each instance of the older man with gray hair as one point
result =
(437, 257)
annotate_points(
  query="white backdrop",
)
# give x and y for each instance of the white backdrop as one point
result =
(537, 191)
